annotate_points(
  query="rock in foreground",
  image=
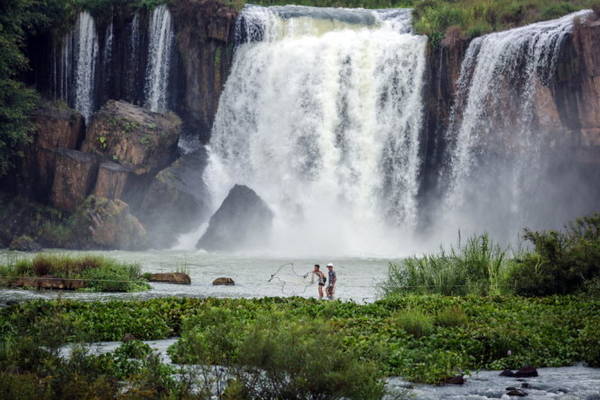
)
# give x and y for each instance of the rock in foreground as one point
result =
(223, 282)
(243, 221)
(171, 277)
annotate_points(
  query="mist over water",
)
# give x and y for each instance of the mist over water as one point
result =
(321, 117)
(508, 167)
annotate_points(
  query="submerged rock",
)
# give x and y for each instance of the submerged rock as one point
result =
(526, 372)
(171, 277)
(24, 243)
(516, 393)
(177, 201)
(223, 281)
(243, 221)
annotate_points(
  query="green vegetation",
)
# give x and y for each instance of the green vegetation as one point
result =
(100, 273)
(469, 18)
(561, 262)
(477, 267)
(550, 331)
(558, 263)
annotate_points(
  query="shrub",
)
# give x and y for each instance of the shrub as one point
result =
(561, 262)
(414, 322)
(303, 360)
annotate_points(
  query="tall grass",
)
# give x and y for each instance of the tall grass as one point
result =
(477, 267)
(101, 273)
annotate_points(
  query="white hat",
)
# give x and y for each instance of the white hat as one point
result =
(330, 265)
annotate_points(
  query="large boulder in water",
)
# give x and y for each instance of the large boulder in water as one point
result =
(243, 221)
(177, 200)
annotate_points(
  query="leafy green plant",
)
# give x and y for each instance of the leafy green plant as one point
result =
(477, 267)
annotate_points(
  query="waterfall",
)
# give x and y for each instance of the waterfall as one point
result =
(497, 160)
(108, 45)
(61, 68)
(161, 38)
(321, 115)
(85, 68)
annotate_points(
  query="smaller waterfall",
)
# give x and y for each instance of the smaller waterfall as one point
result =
(108, 45)
(497, 144)
(85, 69)
(161, 38)
(62, 67)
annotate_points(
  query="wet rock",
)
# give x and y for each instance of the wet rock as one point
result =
(171, 277)
(128, 337)
(48, 283)
(525, 385)
(507, 373)
(455, 380)
(24, 243)
(516, 393)
(74, 178)
(205, 39)
(107, 224)
(223, 281)
(112, 180)
(243, 221)
(526, 372)
(58, 126)
(177, 201)
(593, 397)
(141, 140)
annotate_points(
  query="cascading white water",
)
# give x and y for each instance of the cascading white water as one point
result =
(321, 115)
(108, 45)
(85, 68)
(161, 38)
(501, 75)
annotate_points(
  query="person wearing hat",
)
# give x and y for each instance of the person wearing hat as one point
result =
(332, 280)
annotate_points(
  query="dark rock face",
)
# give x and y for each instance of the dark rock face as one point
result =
(171, 277)
(112, 180)
(204, 30)
(177, 199)
(244, 220)
(138, 139)
(56, 126)
(74, 178)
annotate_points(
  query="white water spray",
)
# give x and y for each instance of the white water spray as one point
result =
(161, 38)
(321, 115)
(85, 68)
(501, 75)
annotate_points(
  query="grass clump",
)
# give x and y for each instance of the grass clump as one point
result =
(451, 317)
(414, 322)
(100, 273)
(477, 267)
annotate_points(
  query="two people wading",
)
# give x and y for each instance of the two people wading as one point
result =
(329, 280)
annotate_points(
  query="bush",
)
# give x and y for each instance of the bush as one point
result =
(478, 267)
(561, 262)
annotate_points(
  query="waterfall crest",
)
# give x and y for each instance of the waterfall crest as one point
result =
(321, 115)
(161, 39)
